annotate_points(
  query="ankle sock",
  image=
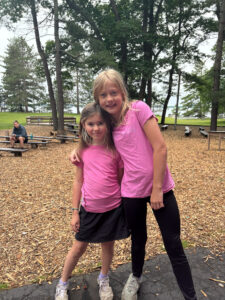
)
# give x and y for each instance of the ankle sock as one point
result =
(101, 276)
(63, 283)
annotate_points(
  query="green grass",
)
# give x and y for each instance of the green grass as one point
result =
(3, 286)
(197, 122)
(7, 118)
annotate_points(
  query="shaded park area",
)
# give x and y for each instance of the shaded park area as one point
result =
(35, 197)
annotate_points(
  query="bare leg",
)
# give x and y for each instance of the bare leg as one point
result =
(72, 258)
(12, 141)
(107, 255)
(21, 140)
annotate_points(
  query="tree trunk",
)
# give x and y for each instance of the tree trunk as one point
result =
(168, 96)
(217, 68)
(123, 44)
(142, 89)
(58, 71)
(78, 98)
(173, 65)
(149, 93)
(45, 65)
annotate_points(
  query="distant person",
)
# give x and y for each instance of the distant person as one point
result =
(100, 219)
(19, 135)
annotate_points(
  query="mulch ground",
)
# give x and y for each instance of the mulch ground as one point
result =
(35, 197)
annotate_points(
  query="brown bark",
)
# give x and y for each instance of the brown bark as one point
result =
(60, 101)
(45, 65)
(217, 67)
(123, 44)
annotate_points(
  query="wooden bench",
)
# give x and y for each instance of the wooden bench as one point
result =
(187, 131)
(47, 138)
(204, 133)
(46, 120)
(220, 134)
(6, 137)
(164, 127)
(73, 128)
(64, 138)
(15, 151)
(34, 144)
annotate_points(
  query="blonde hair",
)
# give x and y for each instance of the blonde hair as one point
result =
(116, 78)
(88, 111)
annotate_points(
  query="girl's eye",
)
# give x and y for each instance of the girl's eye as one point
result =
(90, 124)
(114, 93)
(102, 95)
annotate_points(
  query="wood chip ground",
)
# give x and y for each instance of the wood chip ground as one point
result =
(35, 197)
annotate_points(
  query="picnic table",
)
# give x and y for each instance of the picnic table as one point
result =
(220, 134)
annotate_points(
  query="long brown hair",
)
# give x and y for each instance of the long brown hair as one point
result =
(88, 111)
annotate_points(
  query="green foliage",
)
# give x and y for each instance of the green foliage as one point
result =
(21, 87)
(144, 40)
(199, 86)
(7, 118)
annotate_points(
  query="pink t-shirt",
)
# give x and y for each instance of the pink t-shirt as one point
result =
(101, 188)
(137, 153)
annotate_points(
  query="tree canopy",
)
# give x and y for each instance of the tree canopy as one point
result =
(149, 42)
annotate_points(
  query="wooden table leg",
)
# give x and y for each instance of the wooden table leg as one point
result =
(220, 137)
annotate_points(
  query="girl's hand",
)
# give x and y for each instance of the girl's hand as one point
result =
(75, 222)
(157, 199)
(74, 156)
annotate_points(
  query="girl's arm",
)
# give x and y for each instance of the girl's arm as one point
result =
(120, 174)
(155, 138)
(74, 156)
(76, 196)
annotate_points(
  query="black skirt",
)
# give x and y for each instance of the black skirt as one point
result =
(102, 227)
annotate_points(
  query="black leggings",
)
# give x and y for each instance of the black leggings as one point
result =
(168, 219)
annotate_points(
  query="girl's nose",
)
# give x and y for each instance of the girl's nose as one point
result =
(109, 97)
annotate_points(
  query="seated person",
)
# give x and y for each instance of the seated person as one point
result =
(19, 135)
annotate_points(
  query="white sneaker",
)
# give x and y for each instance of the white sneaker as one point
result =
(105, 290)
(131, 288)
(61, 292)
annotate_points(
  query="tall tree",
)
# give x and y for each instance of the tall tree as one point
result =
(45, 64)
(217, 64)
(15, 11)
(60, 101)
(21, 87)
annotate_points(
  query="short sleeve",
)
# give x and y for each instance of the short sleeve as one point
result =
(143, 112)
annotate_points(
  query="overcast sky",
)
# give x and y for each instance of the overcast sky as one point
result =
(21, 29)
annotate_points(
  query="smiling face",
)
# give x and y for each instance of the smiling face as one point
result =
(96, 128)
(111, 99)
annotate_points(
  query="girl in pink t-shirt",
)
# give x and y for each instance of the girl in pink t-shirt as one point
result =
(100, 218)
(146, 179)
